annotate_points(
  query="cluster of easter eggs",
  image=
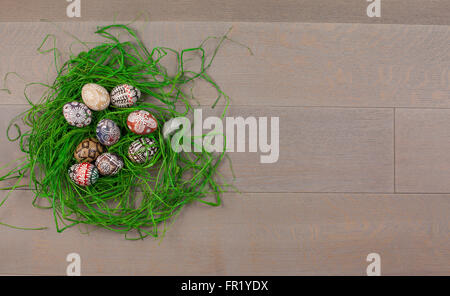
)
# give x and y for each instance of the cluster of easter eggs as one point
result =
(91, 154)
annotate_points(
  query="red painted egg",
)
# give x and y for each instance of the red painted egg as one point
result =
(141, 122)
(83, 174)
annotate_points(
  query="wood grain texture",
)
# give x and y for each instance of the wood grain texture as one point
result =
(11, 155)
(422, 150)
(360, 118)
(320, 150)
(345, 65)
(251, 234)
(427, 12)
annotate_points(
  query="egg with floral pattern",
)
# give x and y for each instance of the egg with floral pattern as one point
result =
(83, 174)
(141, 122)
(109, 164)
(108, 132)
(77, 114)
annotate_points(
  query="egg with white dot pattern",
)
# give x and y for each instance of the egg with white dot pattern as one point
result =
(77, 114)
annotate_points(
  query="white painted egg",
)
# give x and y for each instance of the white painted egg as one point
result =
(95, 96)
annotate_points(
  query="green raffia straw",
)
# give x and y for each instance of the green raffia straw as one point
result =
(140, 197)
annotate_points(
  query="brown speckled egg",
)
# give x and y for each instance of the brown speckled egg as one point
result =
(88, 150)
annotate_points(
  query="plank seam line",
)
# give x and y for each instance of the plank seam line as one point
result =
(393, 132)
(296, 106)
(227, 22)
(317, 192)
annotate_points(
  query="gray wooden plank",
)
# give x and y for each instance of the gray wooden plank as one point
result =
(251, 234)
(320, 150)
(11, 155)
(422, 145)
(345, 65)
(323, 11)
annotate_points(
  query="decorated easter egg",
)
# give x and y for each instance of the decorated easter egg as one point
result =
(83, 174)
(124, 95)
(77, 114)
(141, 122)
(88, 150)
(108, 132)
(109, 164)
(95, 96)
(142, 150)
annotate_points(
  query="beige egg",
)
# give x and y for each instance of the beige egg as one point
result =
(88, 150)
(95, 96)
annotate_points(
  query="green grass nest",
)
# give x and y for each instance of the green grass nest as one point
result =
(140, 198)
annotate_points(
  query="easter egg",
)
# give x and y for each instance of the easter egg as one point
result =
(142, 150)
(88, 150)
(141, 122)
(108, 132)
(109, 164)
(77, 114)
(83, 174)
(124, 95)
(95, 96)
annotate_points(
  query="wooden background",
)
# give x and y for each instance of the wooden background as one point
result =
(364, 107)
